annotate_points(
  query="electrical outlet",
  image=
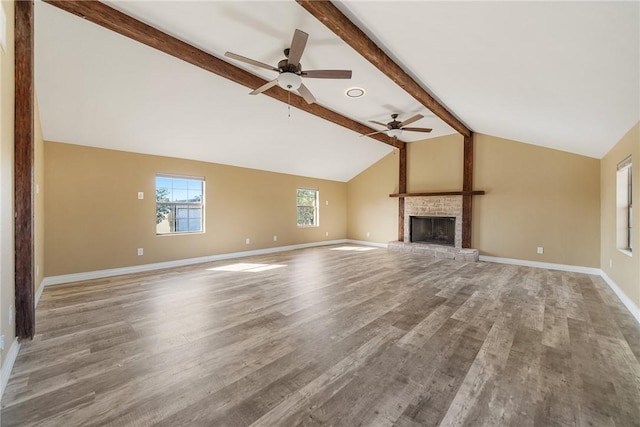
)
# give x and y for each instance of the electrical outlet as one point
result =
(326, 234)
(540, 250)
(275, 238)
(610, 263)
(247, 241)
(37, 270)
(140, 251)
(326, 203)
(11, 314)
(140, 195)
(1, 342)
(368, 234)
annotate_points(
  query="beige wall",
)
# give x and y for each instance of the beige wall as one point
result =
(94, 220)
(535, 197)
(7, 288)
(370, 209)
(623, 269)
(435, 164)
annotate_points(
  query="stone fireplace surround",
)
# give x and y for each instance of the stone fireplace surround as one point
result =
(450, 206)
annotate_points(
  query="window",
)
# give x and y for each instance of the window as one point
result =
(624, 214)
(307, 207)
(179, 204)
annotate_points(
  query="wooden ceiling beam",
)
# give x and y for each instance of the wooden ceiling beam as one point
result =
(336, 21)
(121, 23)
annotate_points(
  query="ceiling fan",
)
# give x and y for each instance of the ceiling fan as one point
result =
(290, 69)
(394, 128)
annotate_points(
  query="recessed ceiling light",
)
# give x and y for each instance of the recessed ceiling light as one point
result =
(355, 92)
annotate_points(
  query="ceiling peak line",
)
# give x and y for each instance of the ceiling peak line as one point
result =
(123, 24)
(327, 13)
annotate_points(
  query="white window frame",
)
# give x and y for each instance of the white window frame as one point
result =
(199, 205)
(316, 210)
(624, 207)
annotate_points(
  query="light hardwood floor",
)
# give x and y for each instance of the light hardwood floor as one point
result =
(332, 337)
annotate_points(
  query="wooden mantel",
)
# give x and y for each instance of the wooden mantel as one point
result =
(440, 193)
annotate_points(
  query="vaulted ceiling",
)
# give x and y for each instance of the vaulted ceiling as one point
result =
(564, 75)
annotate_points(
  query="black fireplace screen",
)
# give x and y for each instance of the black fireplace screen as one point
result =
(439, 230)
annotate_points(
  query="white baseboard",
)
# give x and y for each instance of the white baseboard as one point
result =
(546, 265)
(7, 366)
(100, 274)
(365, 243)
(39, 293)
(631, 306)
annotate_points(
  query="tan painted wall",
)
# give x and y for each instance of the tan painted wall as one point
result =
(7, 287)
(370, 209)
(435, 164)
(623, 269)
(94, 220)
(535, 197)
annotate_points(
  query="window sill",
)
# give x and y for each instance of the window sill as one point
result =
(179, 234)
(308, 226)
(627, 252)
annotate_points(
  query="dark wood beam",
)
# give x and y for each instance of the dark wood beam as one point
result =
(440, 193)
(24, 155)
(467, 186)
(402, 188)
(337, 22)
(121, 23)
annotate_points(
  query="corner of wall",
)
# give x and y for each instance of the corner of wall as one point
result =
(620, 268)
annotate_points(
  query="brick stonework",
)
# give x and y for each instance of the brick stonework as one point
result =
(450, 206)
(434, 206)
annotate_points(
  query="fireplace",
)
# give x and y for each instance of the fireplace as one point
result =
(447, 209)
(439, 230)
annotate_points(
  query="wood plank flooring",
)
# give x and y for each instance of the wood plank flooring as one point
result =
(330, 337)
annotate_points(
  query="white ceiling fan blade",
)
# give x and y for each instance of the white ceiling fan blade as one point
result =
(249, 61)
(327, 74)
(373, 133)
(410, 129)
(297, 47)
(378, 123)
(411, 120)
(306, 94)
(267, 85)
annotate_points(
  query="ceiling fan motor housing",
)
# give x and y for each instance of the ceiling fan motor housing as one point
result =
(285, 67)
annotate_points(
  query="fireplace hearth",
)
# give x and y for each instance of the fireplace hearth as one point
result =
(437, 230)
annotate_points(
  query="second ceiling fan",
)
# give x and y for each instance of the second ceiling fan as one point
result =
(290, 69)
(394, 128)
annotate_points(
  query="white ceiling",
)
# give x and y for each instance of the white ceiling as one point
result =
(562, 75)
